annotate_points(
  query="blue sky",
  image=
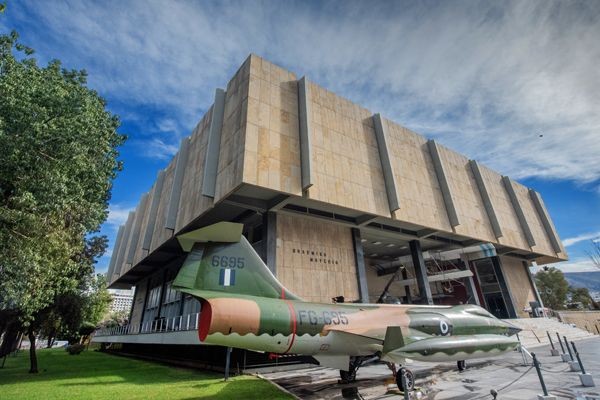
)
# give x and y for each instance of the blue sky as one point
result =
(484, 78)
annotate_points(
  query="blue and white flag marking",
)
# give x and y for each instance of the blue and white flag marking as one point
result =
(227, 277)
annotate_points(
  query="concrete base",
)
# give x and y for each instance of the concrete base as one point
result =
(554, 352)
(586, 380)
(565, 357)
(549, 397)
(574, 366)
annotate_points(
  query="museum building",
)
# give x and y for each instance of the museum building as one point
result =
(338, 201)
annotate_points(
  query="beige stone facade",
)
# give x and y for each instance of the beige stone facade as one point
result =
(260, 166)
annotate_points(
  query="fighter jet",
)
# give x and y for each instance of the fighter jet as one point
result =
(244, 306)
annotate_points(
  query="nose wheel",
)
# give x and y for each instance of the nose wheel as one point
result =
(409, 380)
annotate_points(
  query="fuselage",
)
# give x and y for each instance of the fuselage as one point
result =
(431, 333)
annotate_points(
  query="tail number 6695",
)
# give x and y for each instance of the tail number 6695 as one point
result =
(227, 262)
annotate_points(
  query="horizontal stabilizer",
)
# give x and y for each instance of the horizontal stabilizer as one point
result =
(221, 232)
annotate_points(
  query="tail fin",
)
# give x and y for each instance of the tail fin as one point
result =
(222, 262)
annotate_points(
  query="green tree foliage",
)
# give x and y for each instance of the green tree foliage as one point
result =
(58, 159)
(580, 295)
(553, 287)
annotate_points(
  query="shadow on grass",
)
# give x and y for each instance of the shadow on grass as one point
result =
(104, 371)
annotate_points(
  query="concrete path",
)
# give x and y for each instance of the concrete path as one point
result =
(505, 374)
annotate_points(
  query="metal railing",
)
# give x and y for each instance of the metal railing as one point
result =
(179, 323)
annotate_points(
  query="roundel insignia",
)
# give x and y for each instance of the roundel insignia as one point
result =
(444, 328)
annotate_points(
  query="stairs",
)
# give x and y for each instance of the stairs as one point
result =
(533, 331)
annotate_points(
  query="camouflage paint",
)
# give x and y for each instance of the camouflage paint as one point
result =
(247, 307)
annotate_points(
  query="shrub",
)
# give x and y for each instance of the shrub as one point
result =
(75, 349)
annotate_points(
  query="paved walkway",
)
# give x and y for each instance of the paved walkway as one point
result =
(505, 374)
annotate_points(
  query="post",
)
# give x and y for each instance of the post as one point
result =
(227, 359)
(578, 358)
(550, 339)
(560, 342)
(539, 372)
(568, 348)
(553, 350)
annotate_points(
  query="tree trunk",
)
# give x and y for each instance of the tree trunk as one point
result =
(10, 339)
(33, 369)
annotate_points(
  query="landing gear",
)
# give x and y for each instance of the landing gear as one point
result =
(462, 365)
(348, 376)
(355, 364)
(409, 378)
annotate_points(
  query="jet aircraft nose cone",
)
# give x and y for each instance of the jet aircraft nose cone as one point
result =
(512, 330)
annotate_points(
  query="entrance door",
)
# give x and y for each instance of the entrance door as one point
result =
(495, 305)
(490, 288)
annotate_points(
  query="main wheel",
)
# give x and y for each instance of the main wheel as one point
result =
(408, 378)
(462, 365)
(348, 376)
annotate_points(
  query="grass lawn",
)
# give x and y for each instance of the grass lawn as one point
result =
(93, 375)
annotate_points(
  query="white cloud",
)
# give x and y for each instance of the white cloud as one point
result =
(580, 238)
(158, 148)
(117, 215)
(576, 265)
(486, 78)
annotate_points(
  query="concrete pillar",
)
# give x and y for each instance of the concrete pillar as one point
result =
(271, 241)
(420, 272)
(361, 274)
(113, 258)
(508, 185)
(487, 201)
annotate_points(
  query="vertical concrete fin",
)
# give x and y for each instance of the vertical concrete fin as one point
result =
(386, 164)
(153, 211)
(211, 162)
(304, 115)
(510, 190)
(137, 225)
(443, 182)
(546, 220)
(361, 274)
(113, 258)
(180, 168)
(487, 201)
(123, 246)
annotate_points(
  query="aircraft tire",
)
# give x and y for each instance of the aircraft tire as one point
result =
(348, 376)
(409, 377)
(462, 365)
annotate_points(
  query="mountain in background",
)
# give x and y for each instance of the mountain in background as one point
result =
(590, 280)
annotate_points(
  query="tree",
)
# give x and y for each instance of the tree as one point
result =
(58, 160)
(553, 287)
(580, 295)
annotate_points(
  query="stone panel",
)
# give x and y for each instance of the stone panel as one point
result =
(161, 234)
(315, 259)
(512, 233)
(231, 155)
(542, 242)
(272, 152)
(347, 169)
(473, 218)
(193, 203)
(421, 200)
